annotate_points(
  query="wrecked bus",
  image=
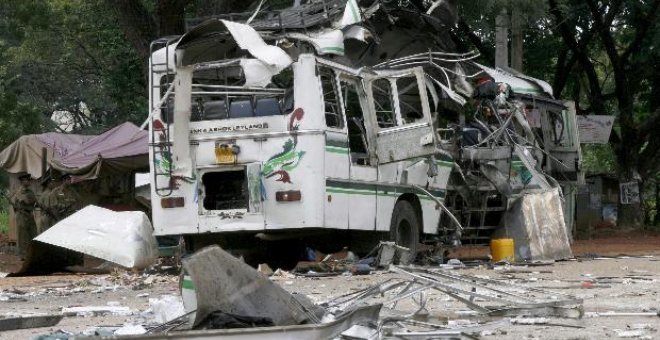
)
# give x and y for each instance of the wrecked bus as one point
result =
(270, 131)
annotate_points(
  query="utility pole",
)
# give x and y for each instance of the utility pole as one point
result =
(502, 39)
(516, 39)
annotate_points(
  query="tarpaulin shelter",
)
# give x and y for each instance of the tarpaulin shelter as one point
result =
(119, 150)
(106, 162)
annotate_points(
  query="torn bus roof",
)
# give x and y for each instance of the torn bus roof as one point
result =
(303, 23)
(329, 28)
(519, 82)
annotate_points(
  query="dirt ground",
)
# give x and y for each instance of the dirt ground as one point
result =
(623, 284)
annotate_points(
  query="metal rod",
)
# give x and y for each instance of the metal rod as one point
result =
(440, 204)
(157, 107)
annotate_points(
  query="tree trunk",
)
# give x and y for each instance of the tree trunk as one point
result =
(137, 24)
(171, 17)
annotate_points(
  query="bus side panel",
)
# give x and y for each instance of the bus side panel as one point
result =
(387, 195)
(295, 164)
(437, 186)
(430, 215)
(174, 220)
(178, 220)
(337, 160)
(417, 173)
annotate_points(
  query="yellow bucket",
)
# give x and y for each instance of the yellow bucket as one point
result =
(502, 249)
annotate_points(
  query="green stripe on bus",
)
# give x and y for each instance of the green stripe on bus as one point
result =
(379, 194)
(337, 143)
(371, 189)
(350, 192)
(187, 284)
(335, 149)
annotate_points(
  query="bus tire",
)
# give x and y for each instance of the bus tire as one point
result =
(405, 226)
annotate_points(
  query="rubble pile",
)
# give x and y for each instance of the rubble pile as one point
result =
(396, 306)
(403, 302)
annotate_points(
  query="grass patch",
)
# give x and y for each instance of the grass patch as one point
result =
(4, 221)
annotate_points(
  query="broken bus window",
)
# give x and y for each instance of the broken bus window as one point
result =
(382, 92)
(333, 115)
(357, 138)
(219, 94)
(410, 102)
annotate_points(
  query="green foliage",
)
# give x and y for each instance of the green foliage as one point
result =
(480, 15)
(598, 159)
(60, 54)
(4, 221)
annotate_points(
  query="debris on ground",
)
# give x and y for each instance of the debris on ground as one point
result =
(96, 310)
(390, 253)
(265, 269)
(166, 308)
(510, 302)
(244, 290)
(538, 227)
(319, 264)
(32, 321)
(482, 295)
(405, 302)
(125, 238)
(346, 262)
(395, 307)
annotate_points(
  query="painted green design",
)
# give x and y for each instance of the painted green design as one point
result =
(254, 187)
(289, 158)
(283, 162)
(164, 162)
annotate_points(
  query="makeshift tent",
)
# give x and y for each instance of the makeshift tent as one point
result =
(119, 150)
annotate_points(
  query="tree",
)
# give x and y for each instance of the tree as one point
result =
(617, 37)
(68, 56)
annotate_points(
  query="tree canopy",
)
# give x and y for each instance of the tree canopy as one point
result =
(68, 56)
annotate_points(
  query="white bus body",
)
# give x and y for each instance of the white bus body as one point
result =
(300, 162)
(268, 138)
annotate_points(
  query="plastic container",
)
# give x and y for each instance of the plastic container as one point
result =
(502, 249)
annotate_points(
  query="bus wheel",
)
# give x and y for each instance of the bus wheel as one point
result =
(404, 228)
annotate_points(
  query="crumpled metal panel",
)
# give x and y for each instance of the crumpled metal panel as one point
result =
(223, 282)
(535, 221)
